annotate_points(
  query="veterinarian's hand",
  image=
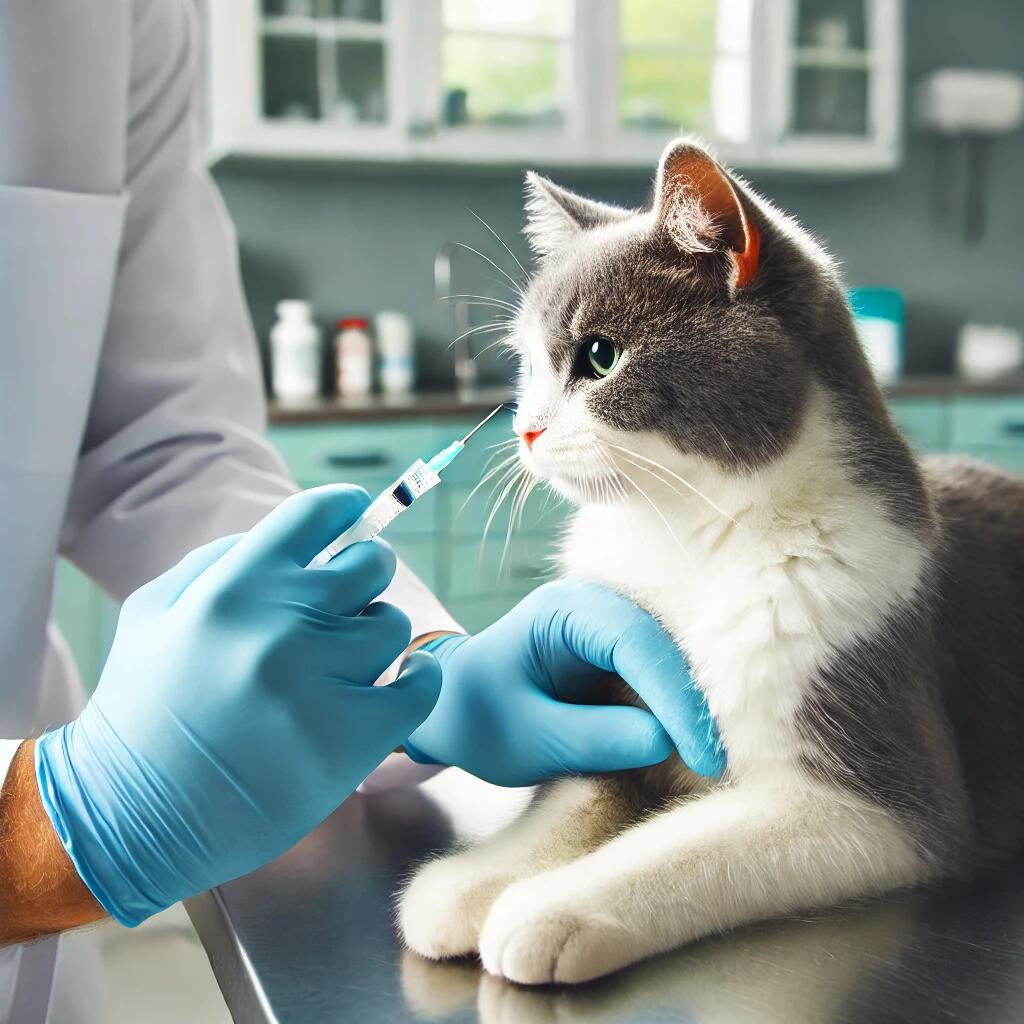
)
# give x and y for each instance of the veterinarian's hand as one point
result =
(511, 708)
(236, 710)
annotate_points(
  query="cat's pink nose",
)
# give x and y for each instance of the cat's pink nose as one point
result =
(529, 436)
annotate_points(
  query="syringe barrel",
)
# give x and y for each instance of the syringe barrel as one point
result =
(385, 508)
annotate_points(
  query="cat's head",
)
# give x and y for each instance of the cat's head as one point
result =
(693, 330)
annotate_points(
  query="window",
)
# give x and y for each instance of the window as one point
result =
(506, 64)
(808, 84)
(830, 68)
(685, 66)
(324, 60)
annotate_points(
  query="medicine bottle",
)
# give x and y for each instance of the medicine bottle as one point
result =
(295, 351)
(353, 355)
(395, 348)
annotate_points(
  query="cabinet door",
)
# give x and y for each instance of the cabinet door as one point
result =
(835, 78)
(924, 422)
(308, 78)
(991, 429)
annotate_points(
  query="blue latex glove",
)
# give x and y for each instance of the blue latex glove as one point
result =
(504, 714)
(236, 709)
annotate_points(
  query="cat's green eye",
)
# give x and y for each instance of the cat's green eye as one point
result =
(602, 355)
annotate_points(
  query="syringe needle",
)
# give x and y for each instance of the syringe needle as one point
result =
(489, 416)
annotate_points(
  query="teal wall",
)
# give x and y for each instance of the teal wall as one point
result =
(355, 240)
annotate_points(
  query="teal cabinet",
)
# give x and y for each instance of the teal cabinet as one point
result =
(990, 429)
(924, 422)
(986, 427)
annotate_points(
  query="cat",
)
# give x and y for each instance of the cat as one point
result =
(693, 384)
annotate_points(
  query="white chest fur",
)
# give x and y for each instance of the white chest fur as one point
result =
(799, 561)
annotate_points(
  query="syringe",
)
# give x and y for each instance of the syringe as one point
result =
(419, 478)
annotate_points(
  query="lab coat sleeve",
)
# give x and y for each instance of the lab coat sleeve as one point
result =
(8, 748)
(174, 453)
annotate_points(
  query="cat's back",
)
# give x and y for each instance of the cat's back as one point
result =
(979, 584)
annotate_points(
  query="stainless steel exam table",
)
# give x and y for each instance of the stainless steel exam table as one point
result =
(310, 938)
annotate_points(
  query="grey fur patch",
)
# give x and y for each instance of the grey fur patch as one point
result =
(927, 716)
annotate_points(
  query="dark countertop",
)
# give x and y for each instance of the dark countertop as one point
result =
(446, 404)
(309, 939)
(388, 407)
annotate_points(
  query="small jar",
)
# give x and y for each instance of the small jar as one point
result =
(295, 351)
(353, 357)
(395, 348)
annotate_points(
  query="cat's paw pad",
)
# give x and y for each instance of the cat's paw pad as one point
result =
(441, 912)
(535, 942)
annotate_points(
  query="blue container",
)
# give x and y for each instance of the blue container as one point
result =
(880, 315)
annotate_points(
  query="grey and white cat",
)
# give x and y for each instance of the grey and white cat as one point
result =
(693, 383)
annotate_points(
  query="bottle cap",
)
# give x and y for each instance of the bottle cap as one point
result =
(288, 308)
(355, 322)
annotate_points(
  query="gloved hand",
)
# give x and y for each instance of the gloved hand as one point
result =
(236, 709)
(503, 713)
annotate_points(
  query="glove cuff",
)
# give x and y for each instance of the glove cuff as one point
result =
(85, 823)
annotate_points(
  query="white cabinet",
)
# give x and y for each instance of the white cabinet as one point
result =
(812, 85)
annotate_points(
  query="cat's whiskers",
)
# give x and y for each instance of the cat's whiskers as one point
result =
(517, 287)
(490, 300)
(502, 242)
(488, 328)
(506, 464)
(675, 476)
(657, 511)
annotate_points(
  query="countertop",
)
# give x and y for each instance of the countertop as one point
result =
(309, 938)
(445, 404)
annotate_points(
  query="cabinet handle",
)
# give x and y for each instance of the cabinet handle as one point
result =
(1015, 428)
(357, 460)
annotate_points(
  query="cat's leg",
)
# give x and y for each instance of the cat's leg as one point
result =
(443, 908)
(736, 855)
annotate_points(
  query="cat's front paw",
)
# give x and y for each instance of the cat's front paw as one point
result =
(536, 935)
(443, 909)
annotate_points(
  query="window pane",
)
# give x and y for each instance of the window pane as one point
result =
(290, 88)
(542, 17)
(360, 94)
(831, 102)
(358, 10)
(667, 21)
(501, 81)
(665, 90)
(832, 24)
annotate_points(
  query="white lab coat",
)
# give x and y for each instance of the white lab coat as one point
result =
(131, 412)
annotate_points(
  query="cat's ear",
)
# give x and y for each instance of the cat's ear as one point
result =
(702, 210)
(555, 216)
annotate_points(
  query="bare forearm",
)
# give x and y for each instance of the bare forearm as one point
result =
(40, 891)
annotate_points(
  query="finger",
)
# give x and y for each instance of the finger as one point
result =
(376, 720)
(367, 644)
(351, 580)
(304, 524)
(420, 684)
(168, 587)
(594, 738)
(612, 633)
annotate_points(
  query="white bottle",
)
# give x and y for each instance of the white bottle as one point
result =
(295, 351)
(395, 346)
(353, 357)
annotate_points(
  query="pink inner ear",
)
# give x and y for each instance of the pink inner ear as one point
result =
(689, 170)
